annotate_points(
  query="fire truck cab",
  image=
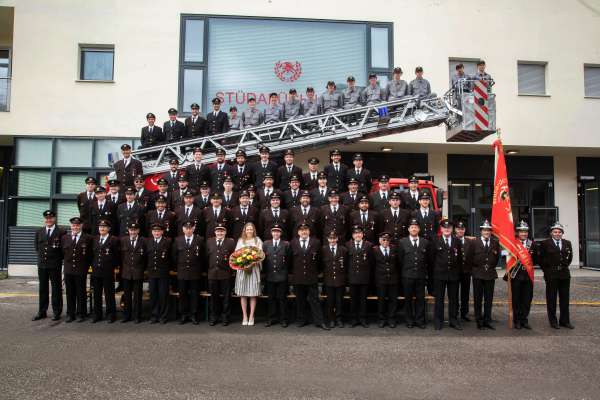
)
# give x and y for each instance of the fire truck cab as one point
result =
(400, 185)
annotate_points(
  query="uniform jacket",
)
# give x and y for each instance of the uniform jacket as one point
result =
(305, 263)
(258, 171)
(364, 179)
(168, 221)
(133, 258)
(283, 176)
(196, 176)
(360, 262)
(238, 220)
(554, 262)
(446, 262)
(126, 174)
(175, 133)
(224, 217)
(107, 257)
(124, 215)
(152, 139)
(371, 228)
(158, 257)
(48, 249)
(218, 258)
(334, 266)
(414, 261)
(277, 261)
(266, 220)
(336, 179)
(484, 262)
(77, 256)
(217, 124)
(190, 261)
(387, 269)
(312, 219)
(335, 222)
(197, 129)
(397, 227)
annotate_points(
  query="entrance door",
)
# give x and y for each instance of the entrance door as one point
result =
(5, 157)
(470, 202)
(590, 223)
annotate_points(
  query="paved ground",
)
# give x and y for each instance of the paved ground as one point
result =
(41, 360)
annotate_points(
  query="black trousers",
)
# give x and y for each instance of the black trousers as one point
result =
(189, 297)
(465, 289)
(386, 309)
(104, 284)
(52, 277)
(558, 288)
(277, 300)
(308, 294)
(439, 291)
(522, 294)
(220, 294)
(75, 286)
(358, 301)
(335, 302)
(132, 298)
(483, 294)
(414, 303)
(159, 297)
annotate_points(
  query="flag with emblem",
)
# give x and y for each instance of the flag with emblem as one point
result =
(502, 221)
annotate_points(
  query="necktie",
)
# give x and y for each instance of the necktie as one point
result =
(241, 170)
(414, 197)
(357, 245)
(384, 196)
(358, 172)
(220, 168)
(74, 239)
(337, 168)
(150, 129)
(385, 252)
(189, 242)
(194, 120)
(395, 215)
(425, 214)
(172, 123)
(268, 192)
(304, 244)
(275, 244)
(322, 193)
(216, 213)
(132, 243)
(101, 241)
(447, 242)
(48, 231)
(219, 243)
(334, 210)
(90, 196)
(128, 207)
(314, 177)
(276, 213)
(156, 241)
(353, 196)
(264, 166)
(289, 170)
(364, 218)
(333, 250)
(187, 211)
(160, 215)
(227, 198)
(305, 212)
(294, 193)
(415, 241)
(114, 198)
(197, 167)
(558, 244)
(487, 245)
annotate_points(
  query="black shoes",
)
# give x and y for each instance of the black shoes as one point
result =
(525, 325)
(112, 319)
(225, 322)
(465, 318)
(324, 327)
(195, 321)
(125, 320)
(182, 321)
(154, 320)
(488, 326)
(410, 325)
(268, 323)
(364, 323)
(284, 324)
(300, 324)
(567, 325)
(38, 316)
(69, 319)
(81, 319)
(163, 321)
(381, 324)
(456, 326)
(339, 324)
(212, 323)
(554, 325)
(138, 321)
(96, 319)
(331, 324)
(517, 325)
(56, 318)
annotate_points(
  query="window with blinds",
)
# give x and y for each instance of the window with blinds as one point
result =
(591, 75)
(532, 78)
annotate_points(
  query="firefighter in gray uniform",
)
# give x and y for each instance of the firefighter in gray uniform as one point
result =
(331, 100)
(273, 113)
(292, 108)
(351, 94)
(310, 105)
(397, 88)
(481, 75)
(372, 94)
(420, 86)
(251, 117)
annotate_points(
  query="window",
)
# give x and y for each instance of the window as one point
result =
(33, 183)
(236, 57)
(532, 78)
(34, 152)
(469, 63)
(97, 63)
(73, 153)
(591, 78)
(29, 212)
(4, 79)
(70, 183)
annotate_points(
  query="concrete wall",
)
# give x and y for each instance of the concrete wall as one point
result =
(146, 39)
(565, 195)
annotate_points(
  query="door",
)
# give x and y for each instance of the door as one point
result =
(590, 223)
(5, 160)
(470, 202)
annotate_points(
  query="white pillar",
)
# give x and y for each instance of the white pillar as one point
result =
(437, 164)
(565, 198)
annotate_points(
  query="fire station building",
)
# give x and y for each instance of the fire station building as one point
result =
(78, 78)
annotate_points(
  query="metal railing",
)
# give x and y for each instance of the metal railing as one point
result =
(5, 94)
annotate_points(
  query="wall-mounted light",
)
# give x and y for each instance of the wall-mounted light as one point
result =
(386, 149)
(512, 152)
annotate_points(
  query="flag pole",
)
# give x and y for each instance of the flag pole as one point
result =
(509, 279)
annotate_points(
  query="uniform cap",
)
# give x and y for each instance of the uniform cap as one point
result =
(424, 195)
(174, 161)
(216, 100)
(276, 227)
(75, 221)
(413, 179)
(49, 213)
(150, 115)
(104, 222)
(445, 223)
(485, 225)
(133, 225)
(100, 189)
(313, 160)
(220, 227)
(264, 149)
(113, 182)
(182, 178)
(288, 152)
(522, 226)
(157, 226)
(244, 193)
(195, 106)
(125, 146)
(91, 179)
(357, 156)
(413, 221)
(162, 181)
(357, 228)
(172, 111)
(332, 234)
(384, 178)
(220, 152)
(557, 225)
(188, 224)
(130, 190)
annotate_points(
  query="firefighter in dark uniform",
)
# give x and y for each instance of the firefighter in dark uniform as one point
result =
(414, 259)
(241, 173)
(336, 171)
(106, 259)
(197, 172)
(218, 250)
(361, 174)
(173, 129)
(242, 214)
(310, 178)
(307, 214)
(555, 256)
(158, 266)
(291, 197)
(380, 199)
(189, 212)
(217, 121)
(195, 125)
(215, 215)
(266, 190)
(360, 262)
(177, 195)
(410, 197)
(152, 135)
(172, 177)
(484, 255)
(446, 262)
(128, 167)
(351, 197)
(520, 283)
(163, 191)
(320, 195)
(189, 258)
(77, 255)
(429, 220)
(101, 208)
(394, 219)
(114, 194)
(465, 272)
(334, 258)
(230, 198)
(276, 266)
(49, 262)
(162, 216)
(202, 199)
(334, 217)
(218, 171)
(142, 195)
(305, 275)
(274, 215)
(133, 265)
(129, 211)
(263, 166)
(287, 170)
(387, 280)
(84, 202)
(369, 220)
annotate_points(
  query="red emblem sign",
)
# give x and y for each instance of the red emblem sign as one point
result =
(288, 71)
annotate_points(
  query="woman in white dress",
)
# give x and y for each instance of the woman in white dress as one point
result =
(247, 283)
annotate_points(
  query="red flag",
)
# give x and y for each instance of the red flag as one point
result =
(503, 226)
